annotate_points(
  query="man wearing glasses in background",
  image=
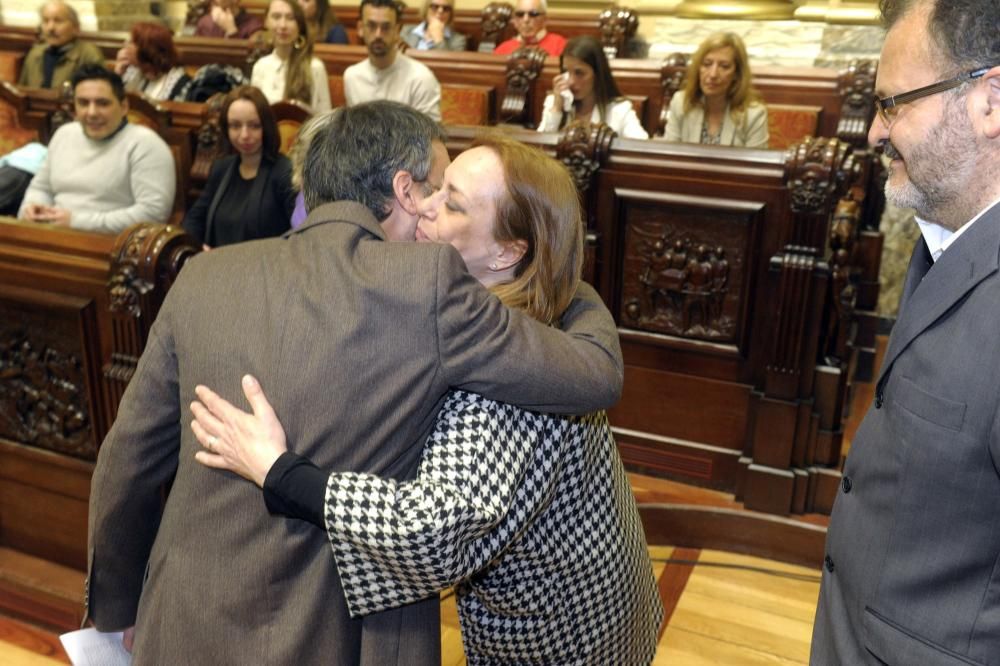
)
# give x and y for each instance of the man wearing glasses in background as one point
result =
(529, 19)
(912, 567)
(435, 31)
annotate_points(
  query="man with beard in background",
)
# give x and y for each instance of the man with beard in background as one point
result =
(387, 73)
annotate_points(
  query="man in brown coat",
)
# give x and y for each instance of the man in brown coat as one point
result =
(51, 63)
(356, 341)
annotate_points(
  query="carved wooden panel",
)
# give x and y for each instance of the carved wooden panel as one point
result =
(684, 266)
(44, 365)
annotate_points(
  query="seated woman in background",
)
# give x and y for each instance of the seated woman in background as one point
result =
(585, 90)
(297, 156)
(530, 514)
(148, 63)
(435, 31)
(718, 105)
(248, 194)
(226, 19)
(290, 72)
(324, 28)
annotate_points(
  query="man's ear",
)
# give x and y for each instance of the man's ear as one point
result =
(404, 188)
(987, 106)
(510, 253)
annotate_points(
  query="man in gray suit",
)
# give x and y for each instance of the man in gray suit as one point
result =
(356, 340)
(912, 570)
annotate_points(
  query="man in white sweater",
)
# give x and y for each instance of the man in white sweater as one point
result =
(387, 73)
(101, 173)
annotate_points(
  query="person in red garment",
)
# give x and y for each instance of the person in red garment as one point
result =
(529, 19)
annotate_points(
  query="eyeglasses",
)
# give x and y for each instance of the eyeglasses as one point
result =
(888, 107)
(434, 7)
(533, 14)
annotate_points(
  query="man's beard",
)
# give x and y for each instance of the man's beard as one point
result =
(937, 168)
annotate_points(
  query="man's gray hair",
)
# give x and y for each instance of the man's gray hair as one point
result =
(74, 18)
(355, 156)
(964, 31)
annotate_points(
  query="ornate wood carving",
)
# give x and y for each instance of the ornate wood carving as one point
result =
(843, 294)
(523, 67)
(683, 271)
(43, 397)
(618, 25)
(195, 10)
(818, 172)
(64, 113)
(209, 139)
(144, 264)
(583, 147)
(496, 16)
(672, 73)
(857, 87)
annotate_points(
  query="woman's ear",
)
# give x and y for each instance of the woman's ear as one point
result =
(510, 253)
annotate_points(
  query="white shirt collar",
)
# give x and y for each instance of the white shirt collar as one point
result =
(939, 239)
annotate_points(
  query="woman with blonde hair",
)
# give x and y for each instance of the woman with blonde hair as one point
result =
(718, 104)
(530, 516)
(290, 72)
(435, 31)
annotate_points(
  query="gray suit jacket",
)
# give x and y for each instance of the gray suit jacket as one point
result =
(912, 574)
(749, 131)
(356, 340)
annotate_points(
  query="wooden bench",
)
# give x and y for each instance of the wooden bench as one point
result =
(614, 26)
(75, 310)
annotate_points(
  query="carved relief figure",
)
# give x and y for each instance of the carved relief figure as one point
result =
(41, 396)
(682, 289)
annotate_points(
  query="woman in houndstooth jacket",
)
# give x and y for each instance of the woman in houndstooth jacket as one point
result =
(530, 516)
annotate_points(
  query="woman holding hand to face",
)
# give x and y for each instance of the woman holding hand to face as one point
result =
(290, 72)
(249, 193)
(585, 90)
(435, 32)
(530, 515)
(718, 105)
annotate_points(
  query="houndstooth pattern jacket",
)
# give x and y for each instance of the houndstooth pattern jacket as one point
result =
(530, 515)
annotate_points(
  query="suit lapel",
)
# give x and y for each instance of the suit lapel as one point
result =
(728, 129)
(930, 291)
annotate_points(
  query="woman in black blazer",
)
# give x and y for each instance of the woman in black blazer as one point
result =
(249, 193)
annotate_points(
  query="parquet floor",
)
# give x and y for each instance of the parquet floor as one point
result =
(725, 609)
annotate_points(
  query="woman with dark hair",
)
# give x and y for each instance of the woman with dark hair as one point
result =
(249, 192)
(148, 61)
(435, 31)
(324, 28)
(530, 516)
(585, 90)
(718, 105)
(290, 72)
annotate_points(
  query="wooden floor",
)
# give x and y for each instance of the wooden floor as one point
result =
(721, 608)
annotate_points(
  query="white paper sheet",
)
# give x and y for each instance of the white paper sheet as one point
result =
(90, 647)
